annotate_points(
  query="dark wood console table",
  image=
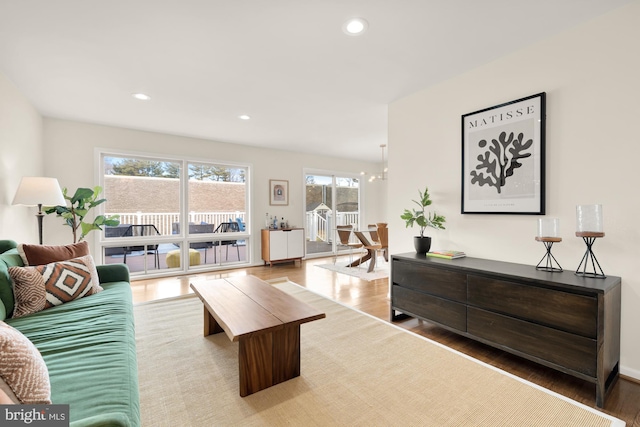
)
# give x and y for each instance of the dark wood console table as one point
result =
(560, 320)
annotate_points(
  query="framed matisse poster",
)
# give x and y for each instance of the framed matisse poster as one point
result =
(279, 192)
(503, 158)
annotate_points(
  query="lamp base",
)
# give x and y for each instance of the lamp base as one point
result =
(548, 259)
(589, 240)
(40, 216)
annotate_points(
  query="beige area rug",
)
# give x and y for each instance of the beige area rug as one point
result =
(381, 271)
(356, 371)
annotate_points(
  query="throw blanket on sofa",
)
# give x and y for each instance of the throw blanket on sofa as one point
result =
(88, 345)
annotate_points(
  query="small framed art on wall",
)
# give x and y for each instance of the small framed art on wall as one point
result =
(279, 192)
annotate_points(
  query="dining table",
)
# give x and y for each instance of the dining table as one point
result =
(372, 247)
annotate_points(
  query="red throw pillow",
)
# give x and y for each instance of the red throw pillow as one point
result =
(40, 255)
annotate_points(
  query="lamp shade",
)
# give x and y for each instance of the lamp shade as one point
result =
(36, 190)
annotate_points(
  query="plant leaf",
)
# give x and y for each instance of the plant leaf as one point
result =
(96, 203)
(81, 195)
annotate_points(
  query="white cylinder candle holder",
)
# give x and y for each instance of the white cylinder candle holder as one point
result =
(548, 234)
(589, 226)
(589, 219)
(548, 227)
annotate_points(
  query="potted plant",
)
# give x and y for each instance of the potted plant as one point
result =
(83, 200)
(418, 216)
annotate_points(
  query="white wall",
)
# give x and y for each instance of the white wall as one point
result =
(20, 155)
(591, 75)
(70, 153)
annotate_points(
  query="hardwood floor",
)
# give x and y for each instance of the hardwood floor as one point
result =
(372, 298)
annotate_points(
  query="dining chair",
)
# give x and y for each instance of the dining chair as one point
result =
(344, 237)
(380, 236)
(383, 236)
(373, 231)
(371, 247)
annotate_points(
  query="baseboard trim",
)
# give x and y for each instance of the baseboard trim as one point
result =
(630, 374)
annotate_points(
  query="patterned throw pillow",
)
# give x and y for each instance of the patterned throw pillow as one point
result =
(24, 377)
(44, 286)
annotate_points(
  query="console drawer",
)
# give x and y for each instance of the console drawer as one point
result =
(561, 348)
(445, 312)
(560, 310)
(435, 281)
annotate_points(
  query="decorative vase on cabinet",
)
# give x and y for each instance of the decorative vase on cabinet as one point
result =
(422, 244)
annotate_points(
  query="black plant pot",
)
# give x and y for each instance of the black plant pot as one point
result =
(422, 244)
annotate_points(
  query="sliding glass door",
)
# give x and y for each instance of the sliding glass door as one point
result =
(330, 200)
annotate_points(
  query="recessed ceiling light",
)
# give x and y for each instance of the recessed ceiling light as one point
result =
(141, 96)
(244, 117)
(355, 26)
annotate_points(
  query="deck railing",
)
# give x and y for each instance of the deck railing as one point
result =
(164, 221)
(319, 227)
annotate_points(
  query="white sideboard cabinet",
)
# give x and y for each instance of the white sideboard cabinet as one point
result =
(286, 244)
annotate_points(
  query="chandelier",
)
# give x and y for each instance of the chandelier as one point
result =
(381, 176)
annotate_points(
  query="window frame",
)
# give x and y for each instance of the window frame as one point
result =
(183, 239)
(334, 174)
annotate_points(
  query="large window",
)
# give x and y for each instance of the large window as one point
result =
(174, 214)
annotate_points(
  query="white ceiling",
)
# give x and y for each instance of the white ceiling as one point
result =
(306, 85)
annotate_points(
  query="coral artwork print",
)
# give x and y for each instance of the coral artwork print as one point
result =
(502, 156)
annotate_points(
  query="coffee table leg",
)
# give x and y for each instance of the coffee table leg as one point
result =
(286, 354)
(269, 359)
(210, 325)
(255, 363)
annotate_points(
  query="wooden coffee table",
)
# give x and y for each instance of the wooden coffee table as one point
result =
(266, 323)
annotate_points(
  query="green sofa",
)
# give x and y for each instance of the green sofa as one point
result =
(87, 344)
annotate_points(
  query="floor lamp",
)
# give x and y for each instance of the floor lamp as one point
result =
(38, 191)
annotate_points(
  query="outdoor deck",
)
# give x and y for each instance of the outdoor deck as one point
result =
(136, 260)
(212, 256)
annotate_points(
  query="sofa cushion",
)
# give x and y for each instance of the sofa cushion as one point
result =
(89, 348)
(45, 286)
(40, 254)
(23, 373)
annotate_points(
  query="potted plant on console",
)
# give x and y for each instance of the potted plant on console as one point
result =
(423, 219)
